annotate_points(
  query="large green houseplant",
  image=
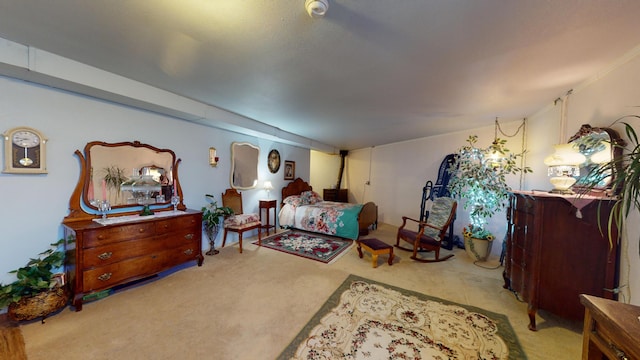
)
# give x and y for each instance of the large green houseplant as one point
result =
(211, 216)
(626, 182)
(37, 291)
(479, 177)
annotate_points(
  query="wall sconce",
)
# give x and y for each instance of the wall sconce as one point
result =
(563, 165)
(213, 158)
(267, 186)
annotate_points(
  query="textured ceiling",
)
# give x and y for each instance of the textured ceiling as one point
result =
(370, 72)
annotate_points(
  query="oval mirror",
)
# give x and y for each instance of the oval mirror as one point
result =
(598, 145)
(244, 165)
(109, 166)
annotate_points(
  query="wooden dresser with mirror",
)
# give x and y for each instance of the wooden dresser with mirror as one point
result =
(558, 246)
(103, 253)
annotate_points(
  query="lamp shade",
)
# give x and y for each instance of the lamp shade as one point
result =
(267, 185)
(565, 154)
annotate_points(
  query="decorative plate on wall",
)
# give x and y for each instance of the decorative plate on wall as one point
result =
(273, 162)
(24, 151)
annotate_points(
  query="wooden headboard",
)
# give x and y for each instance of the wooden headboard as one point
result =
(296, 187)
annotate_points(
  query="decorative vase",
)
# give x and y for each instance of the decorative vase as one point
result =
(477, 249)
(211, 233)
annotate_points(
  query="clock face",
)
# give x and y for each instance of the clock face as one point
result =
(26, 139)
(25, 150)
(273, 161)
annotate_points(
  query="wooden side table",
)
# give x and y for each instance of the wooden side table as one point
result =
(611, 329)
(267, 205)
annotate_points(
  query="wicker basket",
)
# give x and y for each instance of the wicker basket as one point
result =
(39, 305)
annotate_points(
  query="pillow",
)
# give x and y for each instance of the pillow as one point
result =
(293, 200)
(241, 219)
(310, 197)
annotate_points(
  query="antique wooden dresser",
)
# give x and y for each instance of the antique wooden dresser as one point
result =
(555, 251)
(104, 256)
(142, 232)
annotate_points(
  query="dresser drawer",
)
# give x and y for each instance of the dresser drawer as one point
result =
(524, 204)
(112, 234)
(179, 222)
(107, 276)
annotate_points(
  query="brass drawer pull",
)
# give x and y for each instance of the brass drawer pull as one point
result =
(188, 236)
(141, 230)
(188, 252)
(105, 276)
(105, 255)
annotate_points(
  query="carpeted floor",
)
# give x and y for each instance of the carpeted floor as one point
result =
(252, 305)
(367, 319)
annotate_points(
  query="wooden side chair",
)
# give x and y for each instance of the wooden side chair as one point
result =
(428, 235)
(239, 222)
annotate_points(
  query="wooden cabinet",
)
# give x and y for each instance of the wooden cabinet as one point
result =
(100, 257)
(611, 329)
(554, 252)
(339, 195)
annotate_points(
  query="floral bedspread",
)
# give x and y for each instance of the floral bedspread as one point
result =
(324, 217)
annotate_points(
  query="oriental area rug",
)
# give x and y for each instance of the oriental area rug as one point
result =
(311, 246)
(364, 319)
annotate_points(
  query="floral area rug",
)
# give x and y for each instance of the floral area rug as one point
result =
(311, 246)
(364, 319)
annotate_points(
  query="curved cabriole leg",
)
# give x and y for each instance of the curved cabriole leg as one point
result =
(531, 310)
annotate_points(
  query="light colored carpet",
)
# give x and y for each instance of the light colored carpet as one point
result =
(251, 305)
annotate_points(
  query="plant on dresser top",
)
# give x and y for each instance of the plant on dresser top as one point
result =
(211, 215)
(37, 291)
(479, 176)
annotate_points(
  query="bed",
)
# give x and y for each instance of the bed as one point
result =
(303, 209)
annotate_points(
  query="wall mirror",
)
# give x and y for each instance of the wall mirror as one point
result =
(598, 145)
(244, 165)
(106, 166)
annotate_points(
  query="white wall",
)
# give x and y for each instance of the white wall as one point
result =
(32, 206)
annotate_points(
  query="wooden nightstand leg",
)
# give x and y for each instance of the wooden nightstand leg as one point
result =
(391, 257)
(374, 260)
(359, 250)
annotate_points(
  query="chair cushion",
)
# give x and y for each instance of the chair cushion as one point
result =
(410, 236)
(241, 219)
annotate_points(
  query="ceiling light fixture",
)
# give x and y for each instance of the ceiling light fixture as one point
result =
(316, 8)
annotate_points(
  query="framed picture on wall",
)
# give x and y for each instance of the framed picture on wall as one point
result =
(289, 170)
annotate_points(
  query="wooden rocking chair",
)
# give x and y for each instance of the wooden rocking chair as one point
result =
(428, 235)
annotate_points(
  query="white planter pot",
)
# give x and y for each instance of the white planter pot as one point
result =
(478, 249)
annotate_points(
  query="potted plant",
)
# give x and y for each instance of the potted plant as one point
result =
(625, 186)
(37, 291)
(211, 215)
(479, 177)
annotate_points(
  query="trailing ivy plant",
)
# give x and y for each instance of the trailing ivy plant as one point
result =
(35, 277)
(479, 176)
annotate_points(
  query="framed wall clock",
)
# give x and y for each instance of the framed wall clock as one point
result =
(25, 151)
(273, 162)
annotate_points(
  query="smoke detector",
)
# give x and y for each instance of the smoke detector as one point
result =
(316, 8)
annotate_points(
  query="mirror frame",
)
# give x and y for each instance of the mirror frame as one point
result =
(234, 151)
(616, 144)
(79, 205)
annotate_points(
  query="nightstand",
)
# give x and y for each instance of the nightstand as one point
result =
(268, 205)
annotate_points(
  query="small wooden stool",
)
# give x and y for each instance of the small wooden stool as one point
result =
(375, 247)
